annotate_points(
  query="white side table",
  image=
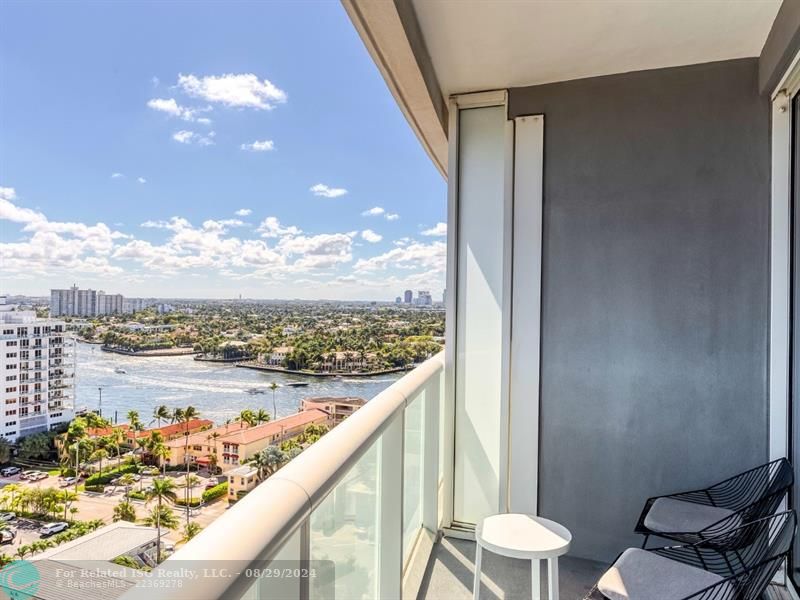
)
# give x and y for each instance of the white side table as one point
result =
(523, 536)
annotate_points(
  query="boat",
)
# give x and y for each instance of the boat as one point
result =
(297, 384)
(120, 371)
(255, 391)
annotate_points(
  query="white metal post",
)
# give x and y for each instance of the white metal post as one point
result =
(390, 511)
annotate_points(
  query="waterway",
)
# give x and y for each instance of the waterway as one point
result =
(218, 390)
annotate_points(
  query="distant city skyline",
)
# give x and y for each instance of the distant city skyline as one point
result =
(178, 165)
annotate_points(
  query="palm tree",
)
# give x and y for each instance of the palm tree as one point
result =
(274, 387)
(177, 415)
(259, 461)
(99, 454)
(127, 480)
(262, 416)
(269, 460)
(187, 415)
(161, 413)
(161, 517)
(247, 416)
(161, 490)
(116, 438)
(125, 511)
(161, 452)
(133, 419)
(190, 531)
(67, 498)
(189, 482)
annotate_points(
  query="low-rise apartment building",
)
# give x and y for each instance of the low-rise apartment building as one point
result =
(240, 481)
(201, 446)
(236, 448)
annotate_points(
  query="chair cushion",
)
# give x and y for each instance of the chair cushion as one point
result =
(672, 515)
(642, 575)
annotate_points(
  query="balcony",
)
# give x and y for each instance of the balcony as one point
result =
(364, 500)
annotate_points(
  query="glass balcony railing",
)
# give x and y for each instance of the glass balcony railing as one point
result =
(358, 509)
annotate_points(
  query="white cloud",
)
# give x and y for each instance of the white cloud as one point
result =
(224, 248)
(373, 212)
(392, 216)
(320, 189)
(271, 228)
(439, 230)
(243, 90)
(171, 107)
(190, 137)
(370, 236)
(117, 175)
(53, 245)
(411, 256)
(141, 180)
(259, 146)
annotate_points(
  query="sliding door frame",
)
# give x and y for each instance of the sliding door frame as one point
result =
(783, 196)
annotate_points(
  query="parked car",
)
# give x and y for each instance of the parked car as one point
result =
(27, 474)
(68, 481)
(7, 535)
(39, 476)
(9, 471)
(53, 528)
(5, 517)
(211, 482)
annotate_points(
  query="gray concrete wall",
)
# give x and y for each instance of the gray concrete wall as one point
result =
(655, 290)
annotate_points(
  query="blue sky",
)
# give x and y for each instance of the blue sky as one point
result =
(207, 150)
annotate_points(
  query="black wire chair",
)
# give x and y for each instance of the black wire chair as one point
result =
(751, 495)
(746, 570)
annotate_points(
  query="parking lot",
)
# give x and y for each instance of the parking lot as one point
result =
(93, 505)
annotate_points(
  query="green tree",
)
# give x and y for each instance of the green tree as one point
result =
(99, 455)
(5, 450)
(125, 511)
(37, 445)
(190, 531)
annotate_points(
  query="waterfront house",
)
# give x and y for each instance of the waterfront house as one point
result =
(623, 262)
(278, 355)
(338, 408)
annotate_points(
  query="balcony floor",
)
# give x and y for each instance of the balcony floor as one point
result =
(450, 571)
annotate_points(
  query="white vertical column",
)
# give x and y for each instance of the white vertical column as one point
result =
(480, 374)
(526, 315)
(780, 276)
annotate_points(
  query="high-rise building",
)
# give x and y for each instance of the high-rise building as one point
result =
(408, 296)
(75, 302)
(37, 364)
(424, 298)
